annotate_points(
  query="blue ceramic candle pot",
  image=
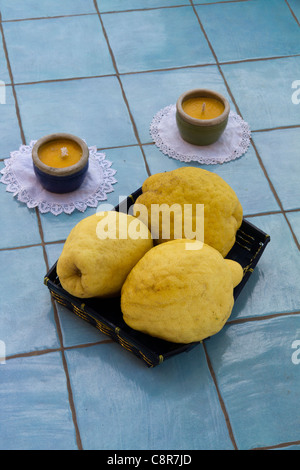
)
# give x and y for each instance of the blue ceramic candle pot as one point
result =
(61, 180)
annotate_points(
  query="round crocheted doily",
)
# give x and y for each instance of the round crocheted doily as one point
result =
(233, 143)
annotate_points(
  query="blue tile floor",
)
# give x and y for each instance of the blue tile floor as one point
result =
(101, 70)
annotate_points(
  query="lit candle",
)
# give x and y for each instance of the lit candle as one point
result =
(60, 153)
(203, 107)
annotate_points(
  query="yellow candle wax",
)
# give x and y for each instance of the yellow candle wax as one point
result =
(60, 153)
(203, 107)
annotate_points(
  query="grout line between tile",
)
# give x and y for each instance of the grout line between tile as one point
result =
(292, 12)
(67, 79)
(257, 59)
(41, 352)
(116, 11)
(292, 126)
(12, 82)
(60, 338)
(94, 14)
(21, 247)
(142, 9)
(261, 214)
(261, 318)
(278, 446)
(36, 18)
(221, 401)
(224, 1)
(137, 72)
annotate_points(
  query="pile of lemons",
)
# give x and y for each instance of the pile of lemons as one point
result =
(173, 288)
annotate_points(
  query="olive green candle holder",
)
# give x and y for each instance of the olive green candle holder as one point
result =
(201, 131)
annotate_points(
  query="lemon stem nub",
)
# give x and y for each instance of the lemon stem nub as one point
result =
(78, 272)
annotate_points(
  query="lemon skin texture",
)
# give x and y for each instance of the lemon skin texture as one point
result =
(180, 295)
(93, 266)
(223, 213)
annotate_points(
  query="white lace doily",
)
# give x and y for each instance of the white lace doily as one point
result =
(20, 179)
(232, 144)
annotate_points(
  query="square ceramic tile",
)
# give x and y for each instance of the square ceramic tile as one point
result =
(35, 48)
(21, 226)
(57, 228)
(156, 39)
(264, 93)
(131, 173)
(279, 151)
(27, 319)
(270, 25)
(36, 9)
(9, 126)
(148, 93)
(258, 377)
(76, 331)
(294, 219)
(118, 5)
(35, 411)
(151, 404)
(274, 286)
(93, 109)
(252, 190)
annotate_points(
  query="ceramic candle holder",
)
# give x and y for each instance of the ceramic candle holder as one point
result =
(60, 180)
(201, 131)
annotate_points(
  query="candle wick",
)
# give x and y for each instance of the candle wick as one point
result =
(64, 152)
(203, 108)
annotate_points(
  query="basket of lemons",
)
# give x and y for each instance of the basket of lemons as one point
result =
(142, 279)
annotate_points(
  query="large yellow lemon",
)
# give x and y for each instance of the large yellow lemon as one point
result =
(178, 294)
(181, 192)
(99, 253)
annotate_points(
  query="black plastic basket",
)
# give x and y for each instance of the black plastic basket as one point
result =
(106, 315)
